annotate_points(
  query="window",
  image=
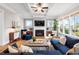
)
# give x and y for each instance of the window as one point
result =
(66, 26)
(49, 23)
(28, 23)
(76, 27)
(70, 26)
(61, 26)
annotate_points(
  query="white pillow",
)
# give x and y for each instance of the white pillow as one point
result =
(76, 46)
(12, 50)
(62, 40)
(25, 49)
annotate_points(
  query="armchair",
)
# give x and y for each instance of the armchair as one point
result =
(28, 36)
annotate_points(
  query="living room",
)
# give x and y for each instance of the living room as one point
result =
(39, 29)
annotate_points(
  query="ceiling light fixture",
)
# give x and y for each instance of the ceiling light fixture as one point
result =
(39, 7)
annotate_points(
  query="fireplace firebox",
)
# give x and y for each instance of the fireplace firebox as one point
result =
(39, 32)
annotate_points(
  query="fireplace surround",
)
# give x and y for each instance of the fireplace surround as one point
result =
(39, 30)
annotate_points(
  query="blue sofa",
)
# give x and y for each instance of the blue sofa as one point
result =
(35, 52)
(58, 46)
(26, 36)
(22, 34)
(70, 41)
(45, 52)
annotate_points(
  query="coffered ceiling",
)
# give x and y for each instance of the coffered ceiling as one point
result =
(54, 10)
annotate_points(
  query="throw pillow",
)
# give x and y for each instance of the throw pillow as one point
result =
(76, 48)
(25, 49)
(70, 51)
(62, 40)
(54, 41)
(70, 41)
(12, 50)
(14, 45)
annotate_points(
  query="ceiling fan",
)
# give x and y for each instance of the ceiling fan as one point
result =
(39, 7)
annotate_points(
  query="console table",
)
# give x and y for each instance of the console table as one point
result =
(13, 36)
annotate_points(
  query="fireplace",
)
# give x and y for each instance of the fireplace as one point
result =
(39, 32)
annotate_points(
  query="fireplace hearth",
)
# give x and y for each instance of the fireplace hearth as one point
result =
(39, 32)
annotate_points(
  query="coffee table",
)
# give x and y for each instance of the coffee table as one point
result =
(38, 45)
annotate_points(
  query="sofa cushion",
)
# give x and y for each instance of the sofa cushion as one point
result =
(62, 40)
(55, 41)
(25, 49)
(70, 41)
(58, 46)
(45, 52)
(62, 48)
(54, 52)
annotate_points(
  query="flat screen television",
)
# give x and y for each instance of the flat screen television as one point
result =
(39, 22)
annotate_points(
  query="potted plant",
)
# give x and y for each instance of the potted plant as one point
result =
(34, 38)
(55, 26)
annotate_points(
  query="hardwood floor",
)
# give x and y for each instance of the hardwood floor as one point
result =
(4, 47)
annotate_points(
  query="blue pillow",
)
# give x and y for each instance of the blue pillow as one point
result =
(28, 37)
(14, 45)
(55, 41)
(62, 48)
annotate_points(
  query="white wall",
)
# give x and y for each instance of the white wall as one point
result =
(6, 18)
(1, 25)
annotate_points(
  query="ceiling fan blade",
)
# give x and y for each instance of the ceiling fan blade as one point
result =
(36, 10)
(33, 7)
(42, 10)
(44, 7)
